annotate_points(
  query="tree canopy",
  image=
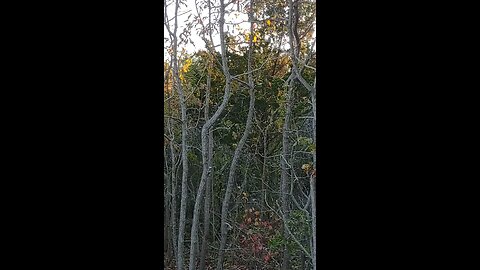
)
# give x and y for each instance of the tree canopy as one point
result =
(240, 120)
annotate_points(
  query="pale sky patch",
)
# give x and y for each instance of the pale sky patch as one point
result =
(199, 44)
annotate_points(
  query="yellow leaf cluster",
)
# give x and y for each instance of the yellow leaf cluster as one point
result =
(306, 167)
(256, 37)
(187, 65)
(185, 69)
(168, 81)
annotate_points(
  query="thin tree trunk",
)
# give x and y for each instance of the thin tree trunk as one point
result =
(313, 179)
(284, 173)
(166, 213)
(206, 214)
(166, 206)
(173, 181)
(205, 130)
(238, 150)
(294, 47)
(264, 166)
(168, 209)
(264, 173)
(173, 218)
(313, 192)
(231, 175)
(183, 199)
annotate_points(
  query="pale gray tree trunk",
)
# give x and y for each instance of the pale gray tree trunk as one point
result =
(166, 215)
(313, 178)
(264, 172)
(238, 150)
(294, 42)
(182, 101)
(286, 129)
(168, 196)
(173, 218)
(206, 213)
(205, 130)
(173, 179)
(313, 195)
(264, 164)
(231, 176)
(284, 169)
(183, 199)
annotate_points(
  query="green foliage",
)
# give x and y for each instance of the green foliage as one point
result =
(192, 157)
(299, 220)
(262, 240)
(277, 242)
(300, 226)
(306, 144)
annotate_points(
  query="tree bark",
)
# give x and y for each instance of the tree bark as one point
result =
(173, 181)
(238, 150)
(231, 175)
(206, 214)
(205, 129)
(264, 173)
(284, 174)
(286, 128)
(173, 213)
(183, 199)
(166, 214)
(313, 190)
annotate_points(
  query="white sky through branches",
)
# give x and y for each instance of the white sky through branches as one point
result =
(199, 44)
(236, 23)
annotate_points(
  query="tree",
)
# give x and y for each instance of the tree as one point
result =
(205, 130)
(240, 145)
(179, 88)
(240, 121)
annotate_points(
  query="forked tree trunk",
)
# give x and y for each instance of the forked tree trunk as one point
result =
(231, 180)
(205, 131)
(238, 150)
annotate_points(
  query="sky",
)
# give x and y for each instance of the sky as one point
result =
(185, 11)
(190, 9)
